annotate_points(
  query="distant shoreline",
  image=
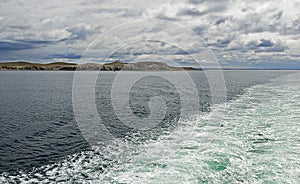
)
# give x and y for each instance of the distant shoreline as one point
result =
(113, 66)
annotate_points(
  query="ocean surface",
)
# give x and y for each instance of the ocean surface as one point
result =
(253, 137)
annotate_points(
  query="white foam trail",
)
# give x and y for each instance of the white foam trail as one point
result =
(257, 142)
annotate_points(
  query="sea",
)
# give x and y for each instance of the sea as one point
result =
(150, 127)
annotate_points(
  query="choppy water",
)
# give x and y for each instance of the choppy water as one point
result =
(255, 135)
(258, 143)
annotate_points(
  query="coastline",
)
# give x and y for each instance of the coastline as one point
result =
(117, 66)
(114, 66)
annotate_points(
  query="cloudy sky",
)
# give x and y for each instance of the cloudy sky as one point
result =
(239, 33)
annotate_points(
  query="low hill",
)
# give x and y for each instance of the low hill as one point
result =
(114, 66)
(37, 66)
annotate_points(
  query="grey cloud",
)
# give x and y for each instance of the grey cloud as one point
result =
(277, 48)
(36, 42)
(224, 42)
(192, 12)
(292, 28)
(79, 33)
(165, 17)
(220, 21)
(149, 48)
(259, 46)
(200, 29)
(195, 1)
(265, 43)
(66, 56)
(196, 12)
(15, 46)
(18, 27)
(237, 30)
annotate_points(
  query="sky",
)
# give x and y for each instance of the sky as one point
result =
(246, 33)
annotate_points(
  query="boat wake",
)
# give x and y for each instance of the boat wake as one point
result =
(252, 139)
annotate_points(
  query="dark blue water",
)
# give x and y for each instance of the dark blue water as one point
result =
(37, 120)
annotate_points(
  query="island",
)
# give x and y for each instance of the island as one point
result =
(113, 66)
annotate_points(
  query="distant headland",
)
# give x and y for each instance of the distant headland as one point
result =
(113, 66)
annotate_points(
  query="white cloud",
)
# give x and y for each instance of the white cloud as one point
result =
(235, 30)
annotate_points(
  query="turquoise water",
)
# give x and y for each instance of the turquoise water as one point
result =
(253, 138)
(258, 143)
